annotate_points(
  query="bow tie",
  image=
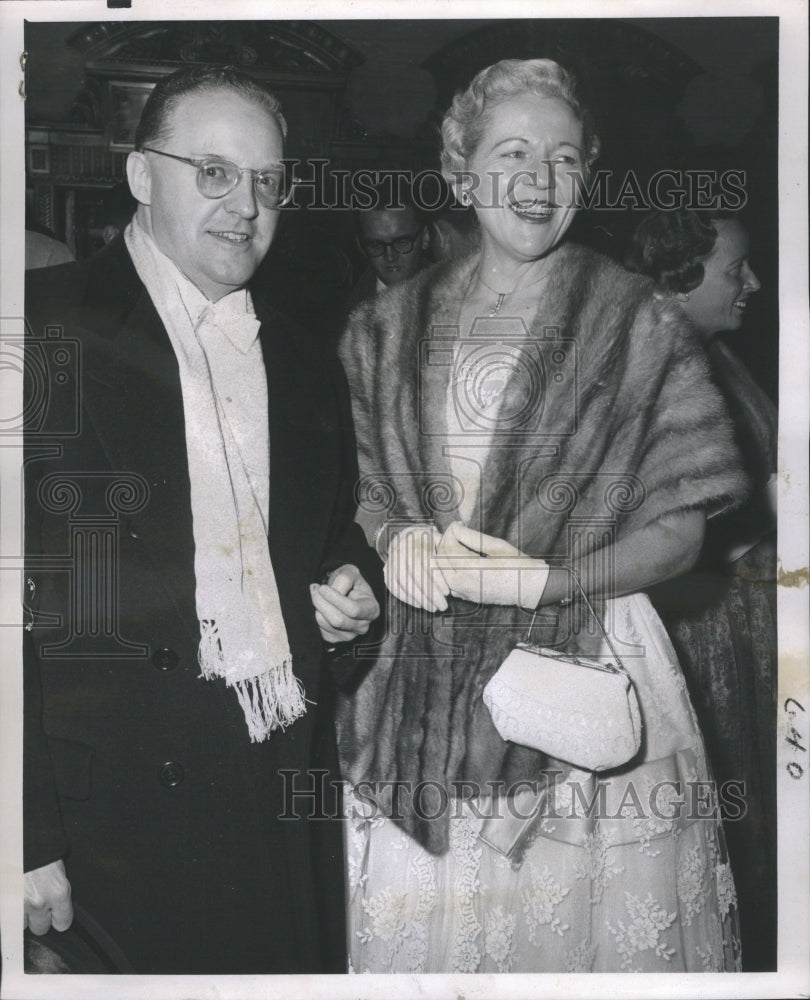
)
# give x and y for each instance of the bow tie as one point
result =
(241, 328)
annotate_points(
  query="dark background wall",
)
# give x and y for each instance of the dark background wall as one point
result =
(391, 92)
(668, 92)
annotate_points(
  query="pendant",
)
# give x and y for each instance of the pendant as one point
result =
(496, 308)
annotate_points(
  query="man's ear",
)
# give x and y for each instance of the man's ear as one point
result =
(425, 238)
(139, 175)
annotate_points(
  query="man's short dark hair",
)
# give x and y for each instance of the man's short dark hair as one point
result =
(154, 126)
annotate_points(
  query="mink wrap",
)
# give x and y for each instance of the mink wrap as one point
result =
(633, 430)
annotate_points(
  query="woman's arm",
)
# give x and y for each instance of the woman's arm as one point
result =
(488, 570)
(661, 550)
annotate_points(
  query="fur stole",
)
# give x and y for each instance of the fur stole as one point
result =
(755, 417)
(632, 430)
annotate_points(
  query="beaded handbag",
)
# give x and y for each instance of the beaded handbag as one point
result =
(575, 709)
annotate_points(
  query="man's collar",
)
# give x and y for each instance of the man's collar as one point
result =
(233, 313)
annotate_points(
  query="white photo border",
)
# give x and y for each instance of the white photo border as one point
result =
(793, 976)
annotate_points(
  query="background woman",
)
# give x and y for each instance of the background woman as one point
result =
(529, 405)
(722, 616)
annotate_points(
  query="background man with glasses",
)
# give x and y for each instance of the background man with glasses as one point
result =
(393, 238)
(215, 450)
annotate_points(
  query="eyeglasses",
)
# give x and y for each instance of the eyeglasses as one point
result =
(376, 248)
(217, 177)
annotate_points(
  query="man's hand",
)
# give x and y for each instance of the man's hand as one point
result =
(47, 899)
(345, 606)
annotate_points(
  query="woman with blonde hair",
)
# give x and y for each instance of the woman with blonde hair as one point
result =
(530, 419)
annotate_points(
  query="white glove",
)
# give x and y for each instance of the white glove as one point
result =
(411, 573)
(47, 899)
(488, 570)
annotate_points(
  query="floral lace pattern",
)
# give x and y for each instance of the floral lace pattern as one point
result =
(663, 819)
(691, 884)
(416, 946)
(633, 889)
(392, 917)
(387, 912)
(466, 850)
(581, 958)
(500, 933)
(596, 865)
(726, 644)
(711, 960)
(726, 893)
(540, 900)
(644, 929)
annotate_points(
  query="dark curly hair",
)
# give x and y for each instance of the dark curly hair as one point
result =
(154, 125)
(670, 247)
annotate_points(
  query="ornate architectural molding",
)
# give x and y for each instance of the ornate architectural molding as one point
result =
(70, 167)
(269, 49)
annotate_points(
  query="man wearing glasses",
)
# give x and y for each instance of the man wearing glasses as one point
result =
(178, 685)
(393, 238)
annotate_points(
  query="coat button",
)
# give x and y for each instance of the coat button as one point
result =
(132, 529)
(165, 659)
(171, 774)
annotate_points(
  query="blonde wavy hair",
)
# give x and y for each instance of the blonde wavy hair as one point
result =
(472, 108)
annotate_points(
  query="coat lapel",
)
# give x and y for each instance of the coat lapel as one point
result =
(132, 398)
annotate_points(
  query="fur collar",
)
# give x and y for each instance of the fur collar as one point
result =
(632, 431)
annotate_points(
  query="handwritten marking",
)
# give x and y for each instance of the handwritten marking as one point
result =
(794, 738)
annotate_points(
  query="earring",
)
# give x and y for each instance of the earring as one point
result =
(464, 198)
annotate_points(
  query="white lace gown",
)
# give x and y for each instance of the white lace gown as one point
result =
(641, 885)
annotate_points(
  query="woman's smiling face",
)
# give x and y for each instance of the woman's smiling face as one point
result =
(719, 301)
(524, 169)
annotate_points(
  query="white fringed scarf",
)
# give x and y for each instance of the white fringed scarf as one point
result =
(243, 638)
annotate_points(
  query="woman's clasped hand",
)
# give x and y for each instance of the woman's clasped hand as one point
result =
(425, 567)
(608, 467)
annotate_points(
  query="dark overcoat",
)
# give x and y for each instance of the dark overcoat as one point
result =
(138, 772)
